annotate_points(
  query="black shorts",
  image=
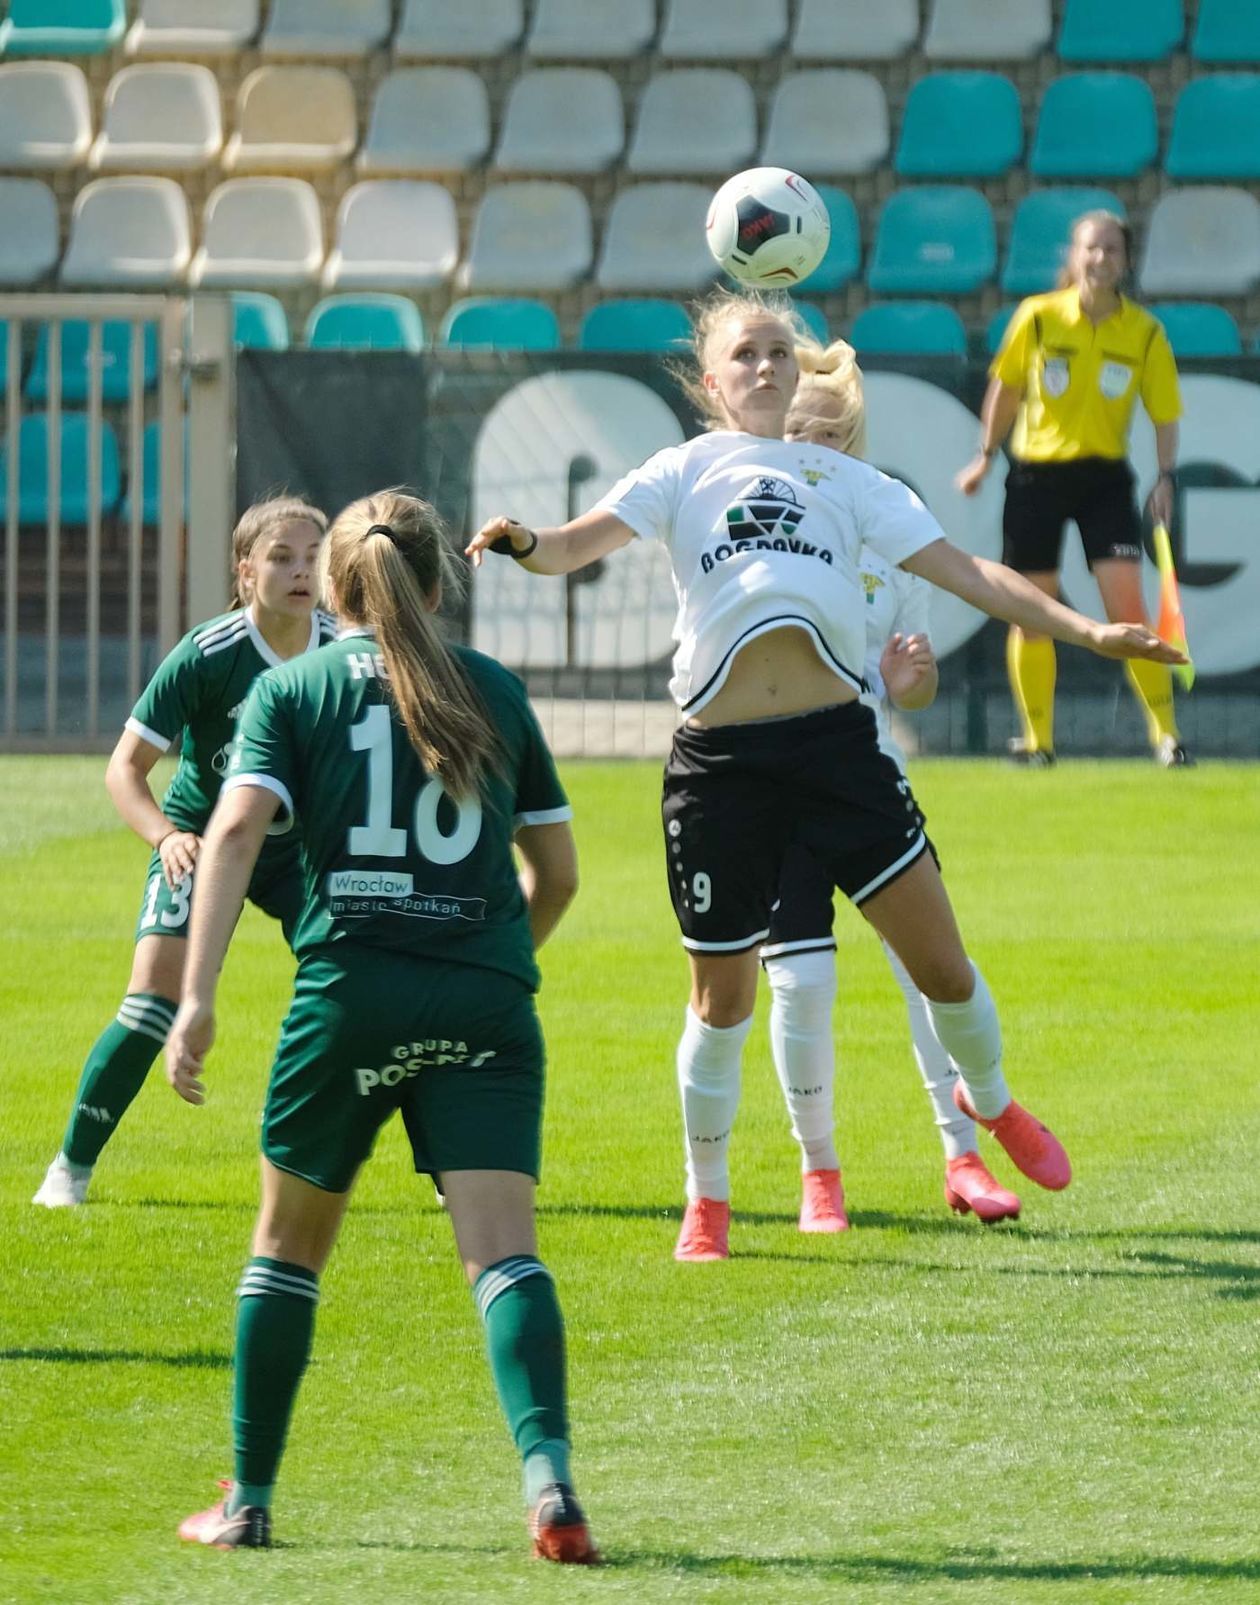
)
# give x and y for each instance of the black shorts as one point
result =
(1095, 492)
(739, 797)
(801, 920)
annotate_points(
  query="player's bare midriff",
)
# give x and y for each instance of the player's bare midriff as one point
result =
(778, 674)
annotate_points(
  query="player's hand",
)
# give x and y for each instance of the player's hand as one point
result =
(972, 476)
(178, 851)
(1159, 504)
(191, 1038)
(1133, 641)
(499, 530)
(905, 663)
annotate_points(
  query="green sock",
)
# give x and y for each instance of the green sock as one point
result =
(525, 1341)
(248, 1493)
(275, 1323)
(115, 1072)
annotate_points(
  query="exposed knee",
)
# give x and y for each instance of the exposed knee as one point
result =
(947, 982)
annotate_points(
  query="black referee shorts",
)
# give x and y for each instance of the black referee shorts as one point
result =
(738, 798)
(1096, 493)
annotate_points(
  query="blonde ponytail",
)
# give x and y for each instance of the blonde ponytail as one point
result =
(829, 397)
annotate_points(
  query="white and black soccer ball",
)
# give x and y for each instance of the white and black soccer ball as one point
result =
(767, 226)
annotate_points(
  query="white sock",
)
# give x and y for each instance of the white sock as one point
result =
(708, 1081)
(802, 994)
(958, 1134)
(969, 1032)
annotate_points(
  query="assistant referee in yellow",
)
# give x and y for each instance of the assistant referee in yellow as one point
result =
(1071, 367)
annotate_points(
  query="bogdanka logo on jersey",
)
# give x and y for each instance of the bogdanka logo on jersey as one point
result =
(764, 519)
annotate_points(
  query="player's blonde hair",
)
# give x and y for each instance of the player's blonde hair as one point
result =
(266, 517)
(1100, 215)
(386, 562)
(829, 371)
(711, 318)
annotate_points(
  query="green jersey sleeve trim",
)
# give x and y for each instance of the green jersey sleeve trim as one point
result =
(162, 743)
(284, 822)
(543, 816)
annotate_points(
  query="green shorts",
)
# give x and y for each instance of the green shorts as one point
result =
(456, 1049)
(277, 886)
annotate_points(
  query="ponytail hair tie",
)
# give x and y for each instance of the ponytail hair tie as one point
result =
(384, 529)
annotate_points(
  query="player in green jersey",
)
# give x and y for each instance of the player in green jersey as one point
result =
(412, 768)
(194, 698)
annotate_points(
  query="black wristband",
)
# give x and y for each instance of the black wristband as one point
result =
(504, 547)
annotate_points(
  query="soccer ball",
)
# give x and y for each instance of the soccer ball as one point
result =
(767, 226)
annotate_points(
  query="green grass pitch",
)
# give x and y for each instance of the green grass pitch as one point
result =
(920, 1410)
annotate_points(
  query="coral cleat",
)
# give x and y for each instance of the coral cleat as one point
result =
(246, 1528)
(705, 1228)
(559, 1530)
(971, 1189)
(1031, 1147)
(822, 1202)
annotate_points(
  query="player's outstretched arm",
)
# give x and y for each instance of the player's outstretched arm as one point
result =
(551, 551)
(1001, 592)
(549, 875)
(127, 782)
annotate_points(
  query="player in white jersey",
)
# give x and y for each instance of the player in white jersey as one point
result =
(799, 957)
(764, 537)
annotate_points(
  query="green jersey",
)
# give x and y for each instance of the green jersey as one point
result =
(390, 860)
(197, 693)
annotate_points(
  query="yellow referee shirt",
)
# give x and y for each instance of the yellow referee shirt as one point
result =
(1080, 379)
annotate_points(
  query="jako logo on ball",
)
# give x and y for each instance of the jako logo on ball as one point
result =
(768, 226)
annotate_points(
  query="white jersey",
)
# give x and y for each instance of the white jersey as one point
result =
(764, 534)
(896, 603)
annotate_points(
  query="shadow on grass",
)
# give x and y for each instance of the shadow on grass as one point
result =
(200, 1359)
(954, 1568)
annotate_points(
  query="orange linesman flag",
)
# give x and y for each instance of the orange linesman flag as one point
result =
(1172, 621)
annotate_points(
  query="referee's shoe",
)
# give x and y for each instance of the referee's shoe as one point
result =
(1170, 754)
(1019, 752)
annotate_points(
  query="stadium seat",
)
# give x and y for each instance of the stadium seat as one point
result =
(722, 30)
(183, 28)
(1203, 241)
(1198, 328)
(670, 139)
(960, 125)
(644, 323)
(529, 236)
(427, 120)
(826, 31)
(62, 27)
(131, 233)
(654, 240)
(260, 231)
(33, 464)
(937, 240)
(161, 115)
(561, 120)
(258, 322)
(590, 30)
(1120, 30)
(151, 475)
(325, 27)
(365, 323)
(1040, 231)
(45, 117)
(911, 328)
(1216, 128)
(978, 30)
(1095, 125)
(291, 117)
(996, 327)
(29, 242)
(1227, 31)
(75, 369)
(393, 234)
(844, 249)
(496, 323)
(814, 319)
(827, 120)
(437, 30)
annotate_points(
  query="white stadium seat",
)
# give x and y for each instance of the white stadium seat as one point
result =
(162, 114)
(654, 240)
(561, 120)
(290, 117)
(723, 30)
(192, 27)
(427, 120)
(591, 30)
(671, 134)
(1203, 241)
(325, 27)
(131, 232)
(827, 121)
(260, 233)
(29, 242)
(393, 234)
(872, 30)
(45, 118)
(530, 236)
(444, 30)
(978, 30)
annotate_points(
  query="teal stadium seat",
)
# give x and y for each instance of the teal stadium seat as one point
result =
(814, 319)
(365, 323)
(150, 449)
(258, 322)
(500, 323)
(62, 27)
(937, 240)
(1095, 125)
(996, 327)
(960, 125)
(1121, 30)
(1216, 128)
(1227, 31)
(115, 361)
(1040, 233)
(1199, 328)
(33, 460)
(911, 328)
(640, 323)
(844, 249)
